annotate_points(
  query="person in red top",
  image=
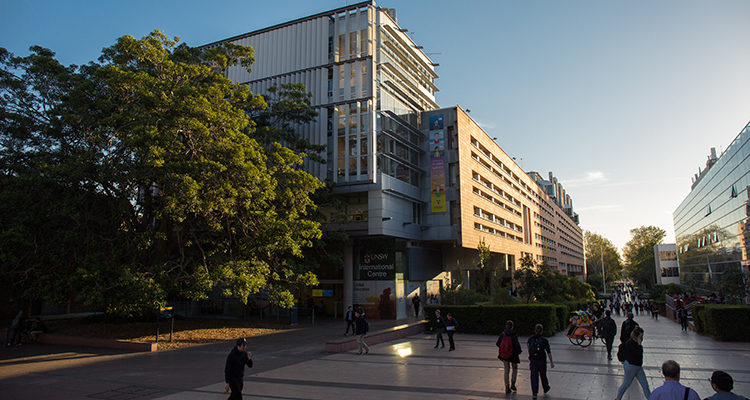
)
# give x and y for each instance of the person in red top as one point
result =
(513, 360)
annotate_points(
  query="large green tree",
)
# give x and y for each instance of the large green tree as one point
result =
(598, 249)
(640, 264)
(136, 179)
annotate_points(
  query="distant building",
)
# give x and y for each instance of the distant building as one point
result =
(667, 269)
(422, 186)
(712, 223)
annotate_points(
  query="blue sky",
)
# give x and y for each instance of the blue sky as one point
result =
(621, 100)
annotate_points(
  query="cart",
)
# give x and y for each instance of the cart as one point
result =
(580, 332)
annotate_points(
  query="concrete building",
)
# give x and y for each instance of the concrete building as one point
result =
(667, 270)
(422, 186)
(712, 223)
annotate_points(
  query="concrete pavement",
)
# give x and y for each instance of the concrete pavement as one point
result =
(293, 365)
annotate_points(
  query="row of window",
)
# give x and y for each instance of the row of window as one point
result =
(500, 221)
(492, 231)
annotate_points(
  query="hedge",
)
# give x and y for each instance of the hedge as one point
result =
(728, 323)
(490, 319)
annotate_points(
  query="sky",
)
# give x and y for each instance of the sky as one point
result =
(622, 101)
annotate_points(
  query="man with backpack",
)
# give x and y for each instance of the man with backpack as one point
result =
(608, 330)
(538, 353)
(361, 329)
(508, 351)
(627, 327)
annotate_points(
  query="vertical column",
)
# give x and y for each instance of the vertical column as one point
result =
(348, 274)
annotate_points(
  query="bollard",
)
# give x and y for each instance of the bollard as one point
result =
(5, 339)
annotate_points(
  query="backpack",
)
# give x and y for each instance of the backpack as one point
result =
(620, 353)
(609, 328)
(536, 349)
(505, 350)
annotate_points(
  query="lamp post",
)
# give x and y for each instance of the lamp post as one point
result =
(604, 280)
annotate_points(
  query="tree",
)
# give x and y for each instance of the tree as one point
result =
(596, 248)
(734, 285)
(136, 179)
(548, 285)
(286, 106)
(640, 264)
(482, 276)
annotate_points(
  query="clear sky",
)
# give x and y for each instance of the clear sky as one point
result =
(622, 100)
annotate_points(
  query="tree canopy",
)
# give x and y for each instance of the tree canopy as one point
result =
(597, 248)
(139, 178)
(547, 285)
(640, 264)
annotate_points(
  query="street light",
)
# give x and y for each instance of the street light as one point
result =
(604, 280)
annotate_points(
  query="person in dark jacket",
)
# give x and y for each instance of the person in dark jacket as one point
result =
(627, 327)
(439, 325)
(450, 327)
(234, 371)
(608, 330)
(632, 352)
(360, 329)
(538, 362)
(37, 328)
(349, 321)
(514, 360)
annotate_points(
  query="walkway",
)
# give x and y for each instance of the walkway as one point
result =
(293, 365)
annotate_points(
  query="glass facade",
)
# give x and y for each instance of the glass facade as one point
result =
(712, 223)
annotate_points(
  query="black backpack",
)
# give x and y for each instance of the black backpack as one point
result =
(609, 328)
(536, 349)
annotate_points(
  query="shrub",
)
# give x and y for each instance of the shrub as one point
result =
(728, 323)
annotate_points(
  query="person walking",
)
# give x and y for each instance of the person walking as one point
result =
(538, 352)
(17, 325)
(627, 327)
(450, 327)
(722, 383)
(608, 330)
(672, 389)
(438, 325)
(508, 352)
(349, 321)
(631, 354)
(416, 301)
(362, 327)
(682, 315)
(234, 370)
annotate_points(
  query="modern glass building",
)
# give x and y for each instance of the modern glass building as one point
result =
(712, 225)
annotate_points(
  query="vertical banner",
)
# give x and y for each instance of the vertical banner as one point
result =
(437, 164)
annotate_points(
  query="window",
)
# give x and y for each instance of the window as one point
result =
(454, 213)
(416, 213)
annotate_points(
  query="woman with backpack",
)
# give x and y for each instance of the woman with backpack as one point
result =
(631, 355)
(508, 351)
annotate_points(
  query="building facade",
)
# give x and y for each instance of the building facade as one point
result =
(712, 224)
(667, 268)
(422, 186)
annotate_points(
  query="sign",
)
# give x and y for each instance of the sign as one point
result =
(322, 293)
(377, 260)
(166, 313)
(437, 164)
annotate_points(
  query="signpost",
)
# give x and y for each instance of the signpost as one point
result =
(165, 313)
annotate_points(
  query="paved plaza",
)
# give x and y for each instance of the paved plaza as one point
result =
(293, 365)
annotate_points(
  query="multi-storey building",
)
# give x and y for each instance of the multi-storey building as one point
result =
(712, 223)
(667, 268)
(422, 186)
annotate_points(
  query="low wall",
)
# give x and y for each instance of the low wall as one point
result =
(60, 340)
(384, 335)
